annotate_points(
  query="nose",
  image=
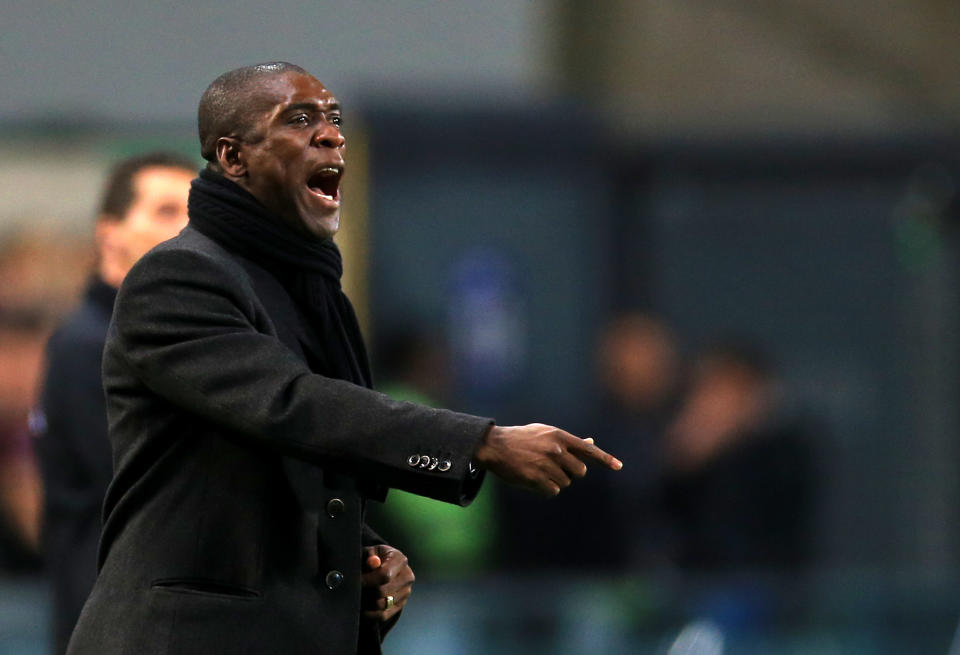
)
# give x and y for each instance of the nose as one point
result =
(328, 136)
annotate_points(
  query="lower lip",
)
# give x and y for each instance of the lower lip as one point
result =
(326, 201)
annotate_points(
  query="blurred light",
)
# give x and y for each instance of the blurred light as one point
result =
(698, 638)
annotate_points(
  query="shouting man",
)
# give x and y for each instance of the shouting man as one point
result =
(246, 437)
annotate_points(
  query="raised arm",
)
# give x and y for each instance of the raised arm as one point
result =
(189, 327)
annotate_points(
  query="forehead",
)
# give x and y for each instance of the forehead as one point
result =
(154, 181)
(279, 91)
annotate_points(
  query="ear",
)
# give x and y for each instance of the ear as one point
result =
(231, 157)
(104, 232)
(111, 253)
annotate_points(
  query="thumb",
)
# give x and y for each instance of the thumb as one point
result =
(374, 562)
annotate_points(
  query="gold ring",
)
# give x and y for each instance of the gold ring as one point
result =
(390, 602)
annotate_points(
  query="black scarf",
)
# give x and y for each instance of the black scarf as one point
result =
(310, 270)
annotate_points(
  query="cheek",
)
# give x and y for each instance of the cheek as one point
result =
(278, 186)
(148, 231)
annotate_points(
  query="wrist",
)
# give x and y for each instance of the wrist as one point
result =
(483, 453)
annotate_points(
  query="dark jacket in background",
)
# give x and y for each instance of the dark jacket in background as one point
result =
(234, 522)
(749, 508)
(74, 455)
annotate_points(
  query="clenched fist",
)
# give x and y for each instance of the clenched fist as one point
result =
(386, 574)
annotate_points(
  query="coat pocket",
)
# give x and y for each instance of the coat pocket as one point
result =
(204, 587)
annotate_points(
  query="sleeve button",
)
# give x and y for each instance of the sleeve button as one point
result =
(444, 465)
(413, 460)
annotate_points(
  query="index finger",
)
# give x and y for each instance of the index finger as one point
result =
(586, 449)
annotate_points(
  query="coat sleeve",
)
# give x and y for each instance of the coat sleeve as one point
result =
(188, 326)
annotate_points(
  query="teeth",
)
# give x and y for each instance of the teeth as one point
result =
(325, 177)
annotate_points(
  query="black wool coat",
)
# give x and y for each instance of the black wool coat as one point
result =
(234, 522)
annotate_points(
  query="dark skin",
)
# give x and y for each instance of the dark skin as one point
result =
(294, 162)
(538, 457)
(386, 572)
(293, 165)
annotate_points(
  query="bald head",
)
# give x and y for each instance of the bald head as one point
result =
(230, 104)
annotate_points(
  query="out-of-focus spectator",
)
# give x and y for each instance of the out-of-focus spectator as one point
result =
(144, 203)
(41, 272)
(448, 541)
(37, 277)
(740, 486)
(605, 523)
(639, 369)
(638, 365)
(22, 334)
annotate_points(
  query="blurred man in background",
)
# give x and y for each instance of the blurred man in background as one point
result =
(23, 331)
(740, 481)
(615, 519)
(38, 275)
(144, 203)
(639, 369)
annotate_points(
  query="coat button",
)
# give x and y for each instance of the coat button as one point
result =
(335, 507)
(334, 579)
(413, 460)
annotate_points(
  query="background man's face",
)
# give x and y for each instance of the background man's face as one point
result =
(295, 169)
(158, 212)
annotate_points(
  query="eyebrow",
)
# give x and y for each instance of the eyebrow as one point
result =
(313, 106)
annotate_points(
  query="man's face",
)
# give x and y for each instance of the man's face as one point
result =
(295, 168)
(158, 212)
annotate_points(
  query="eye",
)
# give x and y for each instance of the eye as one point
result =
(300, 120)
(335, 119)
(168, 212)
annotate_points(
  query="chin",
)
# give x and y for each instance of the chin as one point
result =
(324, 228)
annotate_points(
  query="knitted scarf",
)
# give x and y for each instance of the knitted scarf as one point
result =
(310, 270)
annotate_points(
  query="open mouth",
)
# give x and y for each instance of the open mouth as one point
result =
(326, 182)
